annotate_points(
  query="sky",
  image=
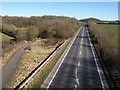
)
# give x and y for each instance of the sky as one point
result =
(79, 10)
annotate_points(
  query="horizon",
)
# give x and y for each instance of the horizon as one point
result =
(60, 16)
(78, 10)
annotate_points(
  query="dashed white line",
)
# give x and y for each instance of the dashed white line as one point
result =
(81, 42)
(70, 45)
(81, 46)
(80, 53)
(81, 39)
(76, 78)
(78, 64)
(75, 87)
(77, 81)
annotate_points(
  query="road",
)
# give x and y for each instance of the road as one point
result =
(78, 67)
(10, 68)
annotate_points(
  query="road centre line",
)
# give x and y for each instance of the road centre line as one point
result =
(69, 46)
(78, 64)
(76, 78)
(75, 87)
(81, 39)
(81, 42)
(80, 53)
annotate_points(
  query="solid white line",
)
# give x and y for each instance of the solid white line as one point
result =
(96, 61)
(69, 46)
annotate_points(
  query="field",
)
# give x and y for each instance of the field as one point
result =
(107, 36)
(110, 28)
(5, 37)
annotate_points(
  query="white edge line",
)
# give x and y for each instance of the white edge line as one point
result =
(96, 61)
(63, 59)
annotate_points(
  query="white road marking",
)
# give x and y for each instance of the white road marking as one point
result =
(81, 46)
(78, 64)
(37, 70)
(76, 78)
(96, 61)
(69, 46)
(80, 53)
(77, 81)
(81, 42)
(81, 39)
(76, 72)
(75, 87)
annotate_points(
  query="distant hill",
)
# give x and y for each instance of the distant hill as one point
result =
(101, 21)
(91, 19)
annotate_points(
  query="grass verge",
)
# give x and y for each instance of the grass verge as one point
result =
(107, 48)
(28, 62)
(39, 78)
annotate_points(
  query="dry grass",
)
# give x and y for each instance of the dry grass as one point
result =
(8, 52)
(29, 61)
(107, 36)
(39, 78)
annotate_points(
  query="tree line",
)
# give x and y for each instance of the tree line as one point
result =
(29, 28)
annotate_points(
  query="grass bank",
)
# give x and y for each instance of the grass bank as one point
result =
(29, 60)
(5, 37)
(107, 47)
(39, 78)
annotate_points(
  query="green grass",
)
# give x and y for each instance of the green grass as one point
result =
(110, 28)
(5, 37)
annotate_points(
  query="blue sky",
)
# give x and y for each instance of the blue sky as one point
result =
(79, 10)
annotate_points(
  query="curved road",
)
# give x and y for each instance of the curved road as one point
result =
(78, 67)
(11, 66)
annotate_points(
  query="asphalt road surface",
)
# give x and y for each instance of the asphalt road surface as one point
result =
(78, 68)
(10, 68)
